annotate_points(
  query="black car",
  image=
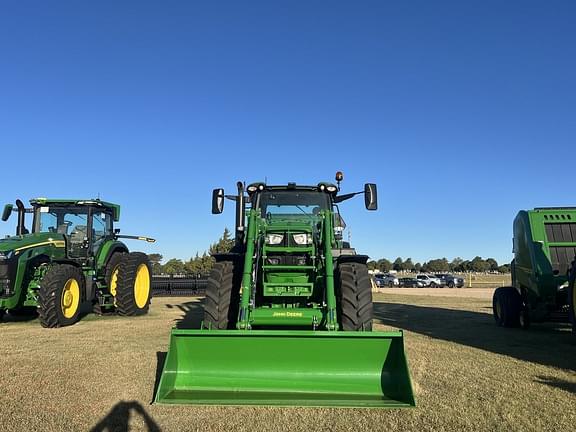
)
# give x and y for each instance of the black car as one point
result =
(451, 281)
(410, 283)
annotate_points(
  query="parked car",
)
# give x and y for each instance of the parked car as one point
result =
(430, 281)
(451, 281)
(410, 283)
(385, 280)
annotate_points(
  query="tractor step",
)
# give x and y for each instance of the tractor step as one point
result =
(286, 368)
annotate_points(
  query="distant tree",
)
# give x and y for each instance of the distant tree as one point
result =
(155, 260)
(372, 265)
(384, 265)
(418, 267)
(437, 265)
(223, 245)
(479, 265)
(408, 265)
(492, 264)
(504, 268)
(455, 264)
(398, 264)
(174, 266)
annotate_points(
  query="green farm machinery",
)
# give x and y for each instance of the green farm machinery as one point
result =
(543, 269)
(71, 256)
(288, 312)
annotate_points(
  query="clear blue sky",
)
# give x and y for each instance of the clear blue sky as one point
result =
(462, 112)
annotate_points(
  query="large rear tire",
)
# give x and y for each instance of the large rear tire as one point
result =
(133, 289)
(60, 295)
(223, 296)
(506, 306)
(572, 296)
(354, 297)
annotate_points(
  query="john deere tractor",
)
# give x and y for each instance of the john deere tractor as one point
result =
(288, 313)
(71, 255)
(543, 269)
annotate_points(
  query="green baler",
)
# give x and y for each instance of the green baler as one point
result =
(72, 255)
(543, 269)
(288, 313)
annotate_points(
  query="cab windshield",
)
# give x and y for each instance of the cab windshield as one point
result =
(292, 203)
(61, 220)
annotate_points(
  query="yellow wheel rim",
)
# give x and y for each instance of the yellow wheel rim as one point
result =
(142, 286)
(114, 281)
(70, 298)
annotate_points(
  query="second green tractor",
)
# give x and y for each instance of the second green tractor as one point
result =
(288, 312)
(71, 256)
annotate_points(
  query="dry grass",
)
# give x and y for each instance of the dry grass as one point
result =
(467, 374)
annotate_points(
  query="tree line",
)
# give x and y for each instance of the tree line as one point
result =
(477, 264)
(199, 265)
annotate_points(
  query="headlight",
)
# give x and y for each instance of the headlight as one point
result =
(331, 189)
(302, 239)
(274, 239)
(6, 255)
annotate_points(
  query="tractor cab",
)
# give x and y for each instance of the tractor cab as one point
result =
(85, 225)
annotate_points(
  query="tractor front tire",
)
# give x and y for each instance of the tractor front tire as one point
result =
(572, 296)
(354, 297)
(133, 287)
(223, 296)
(507, 306)
(60, 295)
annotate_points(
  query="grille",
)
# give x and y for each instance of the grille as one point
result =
(561, 257)
(561, 232)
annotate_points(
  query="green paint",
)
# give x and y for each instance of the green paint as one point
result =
(538, 272)
(303, 368)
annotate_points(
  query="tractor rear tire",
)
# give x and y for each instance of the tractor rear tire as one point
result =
(354, 297)
(133, 289)
(507, 306)
(60, 296)
(572, 296)
(223, 296)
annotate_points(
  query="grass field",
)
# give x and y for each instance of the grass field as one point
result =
(100, 374)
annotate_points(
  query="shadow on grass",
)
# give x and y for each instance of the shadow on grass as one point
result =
(570, 387)
(192, 315)
(118, 419)
(545, 344)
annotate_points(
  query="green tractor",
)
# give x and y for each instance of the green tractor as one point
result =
(543, 269)
(288, 312)
(72, 255)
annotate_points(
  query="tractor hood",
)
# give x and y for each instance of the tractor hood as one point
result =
(20, 243)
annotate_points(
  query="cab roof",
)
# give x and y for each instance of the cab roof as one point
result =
(79, 202)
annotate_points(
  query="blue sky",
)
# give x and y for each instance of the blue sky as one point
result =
(462, 113)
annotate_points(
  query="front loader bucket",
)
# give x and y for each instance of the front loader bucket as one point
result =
(271, 367)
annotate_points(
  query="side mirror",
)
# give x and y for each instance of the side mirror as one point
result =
(370, 196)
(217, 201)
(7, 212)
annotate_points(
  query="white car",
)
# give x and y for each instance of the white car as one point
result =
(430, 281)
